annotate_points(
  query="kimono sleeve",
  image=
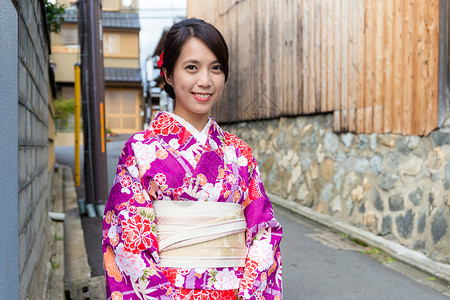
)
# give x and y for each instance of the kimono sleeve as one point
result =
(130, 249)
(262, 273)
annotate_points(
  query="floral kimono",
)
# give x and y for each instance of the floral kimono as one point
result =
(172, 161)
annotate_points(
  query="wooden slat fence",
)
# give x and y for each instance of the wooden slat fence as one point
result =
(373, 63)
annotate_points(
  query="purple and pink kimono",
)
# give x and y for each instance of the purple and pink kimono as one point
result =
(170, 161)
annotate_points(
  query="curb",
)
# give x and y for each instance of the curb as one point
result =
(78, 282)
(397, 251)
(77, 270)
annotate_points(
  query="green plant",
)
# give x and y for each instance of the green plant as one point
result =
(53, 263)
(54, 14)
(64, 108)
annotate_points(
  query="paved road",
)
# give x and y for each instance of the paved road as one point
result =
(316, 263)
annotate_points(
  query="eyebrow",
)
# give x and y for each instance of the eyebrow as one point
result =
(194, 61)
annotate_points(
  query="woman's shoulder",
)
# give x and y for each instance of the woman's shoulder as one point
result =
(238, 143)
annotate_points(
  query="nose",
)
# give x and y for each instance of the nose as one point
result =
(204, 79)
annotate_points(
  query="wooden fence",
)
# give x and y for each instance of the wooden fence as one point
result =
(373, 63)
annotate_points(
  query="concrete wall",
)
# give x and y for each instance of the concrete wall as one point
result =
(9, 272)
(34, 174)
(392, 185)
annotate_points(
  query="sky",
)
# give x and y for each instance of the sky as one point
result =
(154, 16)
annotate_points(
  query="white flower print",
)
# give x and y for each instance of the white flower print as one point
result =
(131, 264)
(226, 280)
(229, 154)
(242, 161)
(213, 144)
(179, 280)
(133, 171)
(261, 251)
(145, 154)
(139, 137)
(174, 143)
(112, 232)
(215, 192)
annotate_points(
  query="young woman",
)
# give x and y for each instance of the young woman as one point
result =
(187, 216)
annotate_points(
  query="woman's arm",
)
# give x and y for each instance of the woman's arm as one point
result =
(262, 273)
(130, 248)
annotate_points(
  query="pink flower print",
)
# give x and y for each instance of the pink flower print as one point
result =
(231, 179)
(130, 263)
(249, 276)
(136, 233)
(226, 280)
(125, 181)
(187, 179)
(130, 161)
(177, 192)
(262, 253)
(160, 178)
(136, 187)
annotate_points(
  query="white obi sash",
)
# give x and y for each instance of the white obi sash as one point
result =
(194, 234)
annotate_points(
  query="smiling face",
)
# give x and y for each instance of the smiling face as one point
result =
(197, 80)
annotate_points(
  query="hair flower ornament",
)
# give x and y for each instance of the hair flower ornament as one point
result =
(160, 63)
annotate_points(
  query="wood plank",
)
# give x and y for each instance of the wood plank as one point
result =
(305, 54)
(433, 27)
(408, 95)
(323, 58)
(388, 63)
(344, 65)
(300, 56)
(360, 66)
(369, 69)
(378, 63)
(352, 65)
(296, 63)
(397, 72)
(444, 61)
(317, 57)
(337, 67)
(419, 111)
(268, 70)
(330, 55)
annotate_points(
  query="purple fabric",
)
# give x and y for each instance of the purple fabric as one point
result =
(167, 163)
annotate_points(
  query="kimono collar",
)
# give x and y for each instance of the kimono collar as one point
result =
(201, 136)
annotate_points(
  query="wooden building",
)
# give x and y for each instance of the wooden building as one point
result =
(378, 66)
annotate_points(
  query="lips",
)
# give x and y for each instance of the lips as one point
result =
(202, 96)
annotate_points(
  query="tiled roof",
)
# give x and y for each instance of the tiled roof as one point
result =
(123, 75)
(111, 19)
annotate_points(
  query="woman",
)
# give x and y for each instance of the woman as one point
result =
(187, 216)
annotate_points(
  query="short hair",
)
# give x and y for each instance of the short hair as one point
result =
(180, 32)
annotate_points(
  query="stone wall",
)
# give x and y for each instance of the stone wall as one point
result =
(395, 186)
(34, 174)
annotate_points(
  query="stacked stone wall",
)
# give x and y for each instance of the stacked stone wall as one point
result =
(395, 186)
(33, 142)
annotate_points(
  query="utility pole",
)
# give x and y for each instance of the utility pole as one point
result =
(92, 82)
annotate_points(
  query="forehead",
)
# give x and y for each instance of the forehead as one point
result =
(196, 49)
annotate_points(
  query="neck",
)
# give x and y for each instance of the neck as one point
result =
(198, 121)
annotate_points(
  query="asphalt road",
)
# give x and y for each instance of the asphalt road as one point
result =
(317, 264)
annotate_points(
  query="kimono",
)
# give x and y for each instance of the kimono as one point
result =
(172, 161)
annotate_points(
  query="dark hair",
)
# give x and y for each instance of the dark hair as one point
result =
(180, 32)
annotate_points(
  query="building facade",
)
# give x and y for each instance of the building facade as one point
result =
(123, 87)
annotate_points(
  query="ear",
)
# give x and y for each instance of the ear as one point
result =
(167, 77)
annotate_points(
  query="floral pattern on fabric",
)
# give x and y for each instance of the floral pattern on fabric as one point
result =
(167, 163)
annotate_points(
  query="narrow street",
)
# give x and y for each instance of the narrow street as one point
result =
(317, 264)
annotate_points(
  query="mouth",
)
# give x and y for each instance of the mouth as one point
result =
(202, 96)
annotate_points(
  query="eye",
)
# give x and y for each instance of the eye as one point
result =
(217, 68)
(191, 67)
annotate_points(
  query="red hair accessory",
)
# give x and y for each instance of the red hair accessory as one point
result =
(160, 63)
